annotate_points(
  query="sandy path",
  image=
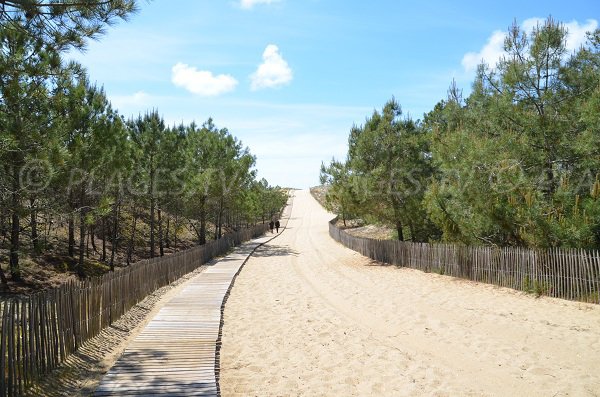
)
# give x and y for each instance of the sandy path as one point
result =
(307, 316)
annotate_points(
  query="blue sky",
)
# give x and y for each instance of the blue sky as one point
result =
(290, 77)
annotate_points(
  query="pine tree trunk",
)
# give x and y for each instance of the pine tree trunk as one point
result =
(103, 239)
(71, 225)
(15, 271)
(175, 233)
(216, 226)
(35, 243)
(87, 241)
(152, 227)
(132, 239)
(72, 233)
(152, 209)
(15, 229)
(397, 206)
(3, 221)
(220, 218)
(47, 229)
(161, 245)
(167, 238)
(3, 277)
(93, 238)
(399, 230)
(114, 243)
(203, 221)
(82, 236)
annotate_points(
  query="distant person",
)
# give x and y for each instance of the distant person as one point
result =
(277, 226)
(271, 224)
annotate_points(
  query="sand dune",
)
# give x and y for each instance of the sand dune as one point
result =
(307, 316)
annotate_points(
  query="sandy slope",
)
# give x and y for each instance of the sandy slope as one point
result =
(307, 316)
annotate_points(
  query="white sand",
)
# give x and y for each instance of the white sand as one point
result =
(307, 316)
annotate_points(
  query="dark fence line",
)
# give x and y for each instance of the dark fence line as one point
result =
(572, 274)
(40, 331)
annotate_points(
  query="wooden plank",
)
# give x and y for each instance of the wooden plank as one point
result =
(3, 341)
(175, 354)
(11, 350)
(24, 332)
(44, 329)
(19, 352)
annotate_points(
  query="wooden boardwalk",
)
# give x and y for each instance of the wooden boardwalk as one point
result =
(175, 354)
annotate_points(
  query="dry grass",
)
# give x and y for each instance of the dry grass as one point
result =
(379, 232)
(54, 267)
(319, 192)
(355, 227)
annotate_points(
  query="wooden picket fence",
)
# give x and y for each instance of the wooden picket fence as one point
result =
(40, 331)
(572, 274)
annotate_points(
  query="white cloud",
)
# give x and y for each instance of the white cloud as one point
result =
(201, 82)
(138, 98)
(248, 4)
(131, 104)
(577, 32)
(490, 53)
(493, 50)
(273, 72)
(275, 132)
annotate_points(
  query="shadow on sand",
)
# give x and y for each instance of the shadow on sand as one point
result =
(274, 250)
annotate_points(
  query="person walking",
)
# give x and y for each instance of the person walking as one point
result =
(271, 224)
(277, 224)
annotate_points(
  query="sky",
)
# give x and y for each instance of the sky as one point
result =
(289, 78)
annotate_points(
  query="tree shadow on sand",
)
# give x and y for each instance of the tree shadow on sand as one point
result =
(275, 250)
(152, 372)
